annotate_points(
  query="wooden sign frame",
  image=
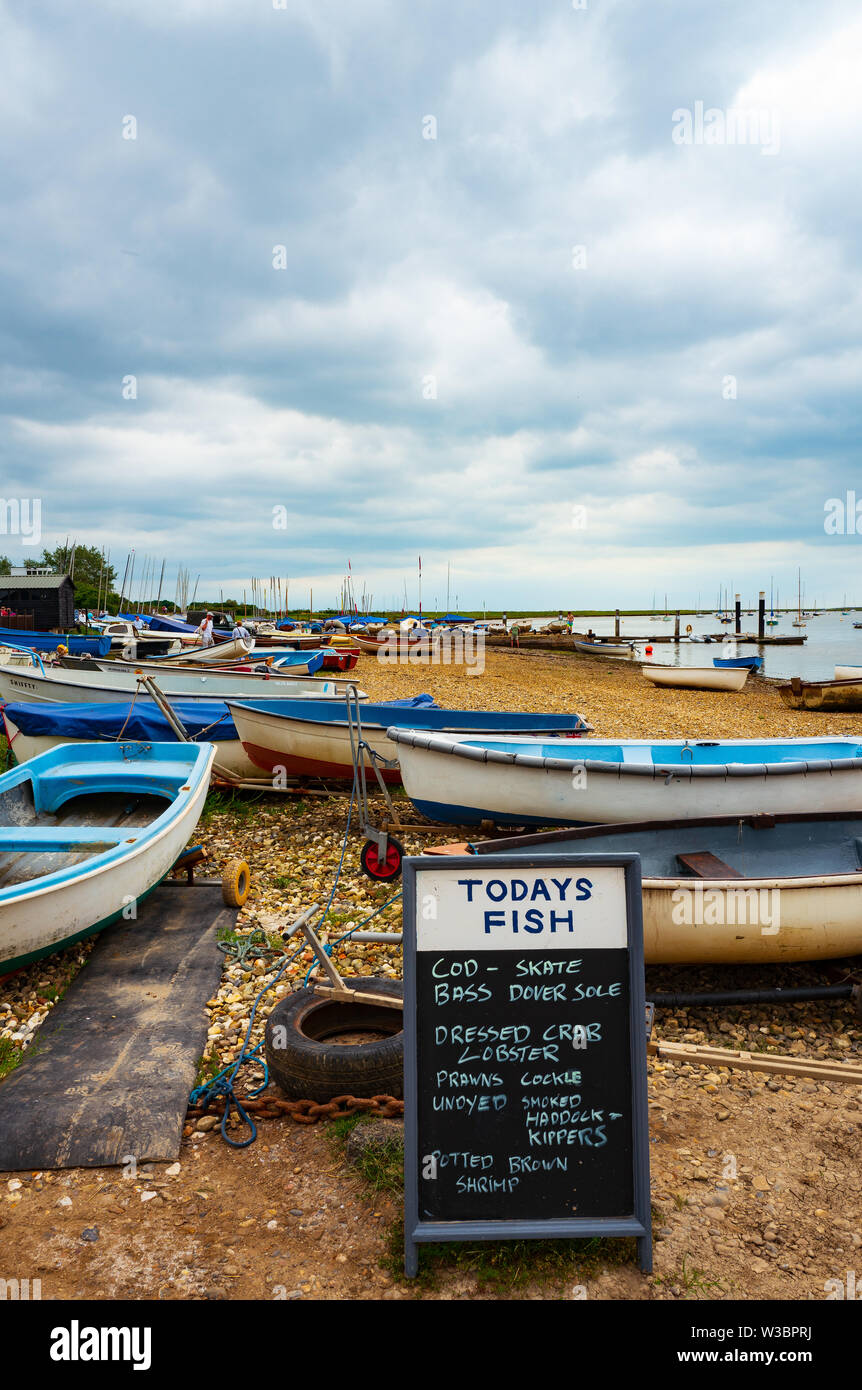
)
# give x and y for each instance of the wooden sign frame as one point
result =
(634, 1223)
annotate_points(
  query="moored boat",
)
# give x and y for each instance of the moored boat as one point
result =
(522, 781)
(749, 663)
(729, 890)
(697, 677)
(86, 833)
(605, 648)
(50, 641)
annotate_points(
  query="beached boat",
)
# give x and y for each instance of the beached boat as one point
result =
(844, 695)
(729, 890)
(126, 638)
(314, 742)
(234, 649)
(84, 686)
(848, 673)
(605, 648)
(697, 677)
(50, 641)
(87, 832)
(749, 663)
(32, 729)
(527, 782)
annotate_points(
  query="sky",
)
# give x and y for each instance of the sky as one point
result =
(565, 298)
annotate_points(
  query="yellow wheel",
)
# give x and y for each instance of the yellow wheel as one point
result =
(235, 882)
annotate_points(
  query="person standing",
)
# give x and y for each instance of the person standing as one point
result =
(205, 630)
(241, 633)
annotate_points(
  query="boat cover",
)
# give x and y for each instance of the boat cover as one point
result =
(144, 721)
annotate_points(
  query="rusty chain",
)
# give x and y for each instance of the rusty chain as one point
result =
(306, 1112)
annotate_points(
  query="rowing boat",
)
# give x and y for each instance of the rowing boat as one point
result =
(697, 677)
(844, 695)
(87, 833)
(605, 648)
(32, 729)
(729, 890)
(522, 781)
(315, 742)
(84, 686)
(749, 663)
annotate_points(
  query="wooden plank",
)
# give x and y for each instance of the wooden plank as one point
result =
(707, 865)
(778, 1063)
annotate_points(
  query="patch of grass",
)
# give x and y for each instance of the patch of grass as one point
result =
(680, 1201)
(690, 1279)
(500, 1266)
(381, 1166)
(239, 806)
(283, 880)
(207, 1070)
(10, 1056)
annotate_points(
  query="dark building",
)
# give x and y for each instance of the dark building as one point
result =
(41, 601)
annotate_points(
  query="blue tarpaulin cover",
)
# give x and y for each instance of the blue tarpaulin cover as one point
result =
(204, 720)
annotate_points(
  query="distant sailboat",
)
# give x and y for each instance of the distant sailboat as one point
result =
(771, 621)
(797, 621)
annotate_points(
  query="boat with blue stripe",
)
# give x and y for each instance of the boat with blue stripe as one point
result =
(531, 782)
(87, 832)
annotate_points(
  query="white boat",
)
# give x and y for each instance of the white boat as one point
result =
(84, 686)
(514, 781)
(234, 649)
(728, 891)
(87, 832)
(697, 677)
(848, 673)
(605, 648)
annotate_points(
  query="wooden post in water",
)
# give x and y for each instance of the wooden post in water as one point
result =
(617, 623)
(676, 626)
(738, 605)
(761, 614)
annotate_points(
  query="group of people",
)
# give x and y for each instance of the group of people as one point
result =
(205, 630)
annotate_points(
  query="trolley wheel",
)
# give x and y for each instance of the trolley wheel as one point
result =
(386, 868)
(235, 882)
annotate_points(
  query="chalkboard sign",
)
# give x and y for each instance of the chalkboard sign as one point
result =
(525, 1050)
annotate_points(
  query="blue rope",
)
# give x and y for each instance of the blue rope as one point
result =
(222, 1085)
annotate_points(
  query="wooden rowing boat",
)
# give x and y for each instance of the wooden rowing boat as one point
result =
(605, 648)
(844, 695)
(729, 890)
(87, 832)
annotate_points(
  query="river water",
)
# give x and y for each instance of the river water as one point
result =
(831, 640)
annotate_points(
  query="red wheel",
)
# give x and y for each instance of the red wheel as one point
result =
(386, 868)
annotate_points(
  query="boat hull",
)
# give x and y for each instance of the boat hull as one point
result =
(467, 788)
(731, 678)
(840, 695)
(28, 684)
(43, 918)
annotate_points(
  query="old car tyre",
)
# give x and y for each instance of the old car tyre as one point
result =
(235, 882)
(315, 1050)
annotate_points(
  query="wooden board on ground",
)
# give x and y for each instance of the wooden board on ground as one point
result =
(108, 1074)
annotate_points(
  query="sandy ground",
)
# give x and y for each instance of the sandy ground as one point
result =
(756, 1183)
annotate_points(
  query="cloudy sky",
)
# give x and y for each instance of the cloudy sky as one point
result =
(568, 298)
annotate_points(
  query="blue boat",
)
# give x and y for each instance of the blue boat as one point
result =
(33, 728)
(313, 741)
(88, 831)
(751, 663)
(50, 641)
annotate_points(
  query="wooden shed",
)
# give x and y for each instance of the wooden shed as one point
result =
(45, 602)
